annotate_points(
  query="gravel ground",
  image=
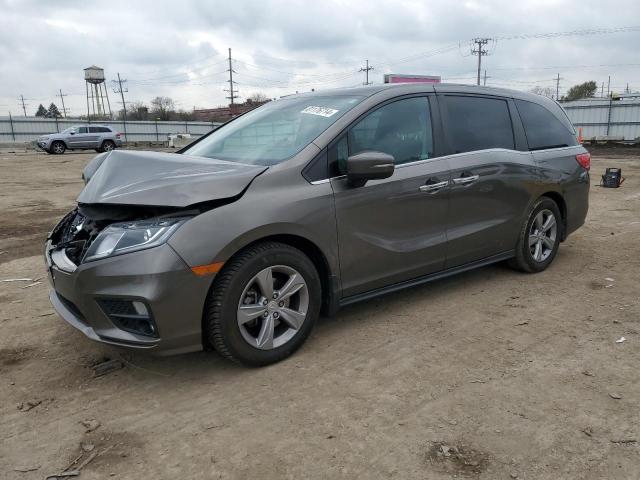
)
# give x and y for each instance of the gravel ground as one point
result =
(490, 374)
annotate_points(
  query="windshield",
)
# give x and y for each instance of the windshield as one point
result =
(69, 130)
(274, 132)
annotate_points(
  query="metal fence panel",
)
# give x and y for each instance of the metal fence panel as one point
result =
(27, 129)
(602, 117)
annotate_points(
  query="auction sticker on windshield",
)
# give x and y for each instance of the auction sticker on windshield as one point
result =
(322, 111)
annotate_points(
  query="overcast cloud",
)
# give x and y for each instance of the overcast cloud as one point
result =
(179, 49)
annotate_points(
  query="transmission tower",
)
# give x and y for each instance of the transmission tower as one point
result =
(64, 109)
(233, 94)
(24, 107)
(118, 88)
(479, 49)
(366, 73)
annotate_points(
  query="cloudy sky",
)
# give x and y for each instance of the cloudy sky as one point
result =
(179, 49)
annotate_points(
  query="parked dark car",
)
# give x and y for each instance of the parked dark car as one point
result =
(309, 203)
(101, 138)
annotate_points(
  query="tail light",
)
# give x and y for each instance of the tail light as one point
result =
(584, 159)
(118, 135)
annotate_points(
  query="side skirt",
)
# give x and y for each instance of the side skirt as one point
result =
(426, 278)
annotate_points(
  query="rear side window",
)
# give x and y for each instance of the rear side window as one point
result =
(476, 123)
(99, 130)
(542, 128)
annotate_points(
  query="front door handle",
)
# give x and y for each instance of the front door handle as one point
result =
(466, 180)
(433, 187)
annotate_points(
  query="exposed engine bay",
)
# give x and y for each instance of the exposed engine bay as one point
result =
(79, 228)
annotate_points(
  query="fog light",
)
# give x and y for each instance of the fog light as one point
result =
(132, 316)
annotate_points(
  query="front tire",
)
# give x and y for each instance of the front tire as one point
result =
(263, 304)
(57, 148)
(539, 237)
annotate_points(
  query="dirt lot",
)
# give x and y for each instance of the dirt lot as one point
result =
(491, 374)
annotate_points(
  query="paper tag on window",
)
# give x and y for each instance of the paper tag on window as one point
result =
(322, 111)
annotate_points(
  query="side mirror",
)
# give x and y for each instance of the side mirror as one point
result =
(72, 132)
(369, 166)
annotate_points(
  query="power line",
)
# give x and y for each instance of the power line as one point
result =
(572, 33)
(366, 73)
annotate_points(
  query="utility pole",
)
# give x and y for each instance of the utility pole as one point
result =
(24, 108)
(609, 86)
(121, 90)
(366, 73)
(602, 90)
(480, 51)
(484, 81)
(64, 110)
(232, 95)
(626, 90)
(558, 88)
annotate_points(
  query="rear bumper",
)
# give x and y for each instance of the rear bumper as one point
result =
(157, 276)
(577, 201)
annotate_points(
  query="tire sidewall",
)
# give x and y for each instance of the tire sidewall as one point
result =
(107, 142)
(233, 338)
(51, 150)
(525, 252)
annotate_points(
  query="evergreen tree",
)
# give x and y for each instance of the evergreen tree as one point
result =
(42, 112)
(53, 111)
(584, 90)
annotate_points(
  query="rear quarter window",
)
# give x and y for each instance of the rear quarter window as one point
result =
(542, 128)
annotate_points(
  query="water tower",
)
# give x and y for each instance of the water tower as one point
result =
(96, 92)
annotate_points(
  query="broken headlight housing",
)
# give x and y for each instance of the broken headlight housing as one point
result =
(125, 237)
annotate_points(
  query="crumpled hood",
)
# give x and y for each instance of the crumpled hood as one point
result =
(126, 177)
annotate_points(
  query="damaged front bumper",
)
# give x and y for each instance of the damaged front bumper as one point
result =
(98, 298)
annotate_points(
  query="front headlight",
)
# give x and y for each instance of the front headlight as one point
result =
(120, 238)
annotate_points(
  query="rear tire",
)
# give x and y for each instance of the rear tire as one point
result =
(539, 237)
(57, 148)
(107, 146)
(251, 315)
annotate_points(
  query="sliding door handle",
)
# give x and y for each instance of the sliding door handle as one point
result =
(465, 180)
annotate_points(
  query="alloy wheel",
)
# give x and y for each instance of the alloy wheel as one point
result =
(273, 307)
(58, 148)
(542, 235)
(107, 147)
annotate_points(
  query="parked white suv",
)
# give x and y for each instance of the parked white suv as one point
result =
(101, 138)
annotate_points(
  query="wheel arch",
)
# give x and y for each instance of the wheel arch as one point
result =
(66, 145)
(562, 206)
(328, 280)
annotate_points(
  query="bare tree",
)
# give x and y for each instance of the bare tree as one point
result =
(138, 111)
(162, 107)
(544, 91)
(257, 97)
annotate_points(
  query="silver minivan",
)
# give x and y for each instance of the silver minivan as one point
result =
(239, 241)
(101, 138)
